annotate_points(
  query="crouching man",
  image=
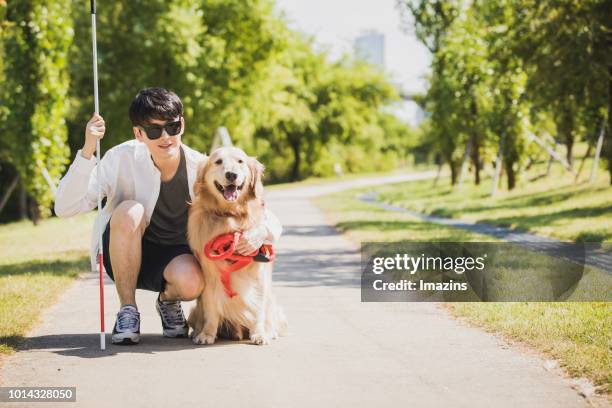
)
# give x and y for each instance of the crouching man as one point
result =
(148, 183)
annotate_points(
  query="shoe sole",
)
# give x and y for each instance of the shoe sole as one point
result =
(175, 336)
(126, 341)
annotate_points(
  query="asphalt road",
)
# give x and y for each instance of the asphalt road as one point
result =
(339, 353)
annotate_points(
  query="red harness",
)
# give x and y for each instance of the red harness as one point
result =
(221, 249)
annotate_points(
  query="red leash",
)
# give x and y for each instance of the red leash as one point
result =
(222, 249)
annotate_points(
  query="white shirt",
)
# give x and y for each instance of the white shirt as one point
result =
(127, 172)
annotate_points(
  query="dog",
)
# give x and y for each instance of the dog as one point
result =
(228, 198)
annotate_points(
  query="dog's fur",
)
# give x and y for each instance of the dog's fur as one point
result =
(254, 308)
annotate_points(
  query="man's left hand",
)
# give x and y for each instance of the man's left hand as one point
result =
(252, 240)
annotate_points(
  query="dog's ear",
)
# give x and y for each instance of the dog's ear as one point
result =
(255, 184)
(200, 184)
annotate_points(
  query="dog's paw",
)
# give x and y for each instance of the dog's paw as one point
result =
(260, 339)
(202, 338)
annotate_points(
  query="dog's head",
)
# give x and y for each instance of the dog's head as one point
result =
(230, 177)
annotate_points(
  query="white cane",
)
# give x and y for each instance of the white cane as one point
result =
(97, 111)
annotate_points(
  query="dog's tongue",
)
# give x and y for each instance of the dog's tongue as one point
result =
(230, 193)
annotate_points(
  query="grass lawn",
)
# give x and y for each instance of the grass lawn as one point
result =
(579, 335)
(36, 265)
(552, 206)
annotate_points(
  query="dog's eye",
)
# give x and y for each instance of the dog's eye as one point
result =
(240, 161)
(219, 161)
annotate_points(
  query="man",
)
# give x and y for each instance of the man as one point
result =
(147, 183)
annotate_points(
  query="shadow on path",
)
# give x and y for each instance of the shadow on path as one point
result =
(309, 230)
(309, 268)
(86, 345)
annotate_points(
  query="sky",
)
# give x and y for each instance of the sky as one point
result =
(335, 24)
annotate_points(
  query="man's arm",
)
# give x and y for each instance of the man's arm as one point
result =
(72, 198)
(273, 227)
(77, 190)
(267, 233)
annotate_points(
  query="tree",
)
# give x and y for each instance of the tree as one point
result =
(322, 113)
(468, 74)
(565, 45)
(211, 53)
(36, 41)
(432, 19)
(285, 119)
(509, 113)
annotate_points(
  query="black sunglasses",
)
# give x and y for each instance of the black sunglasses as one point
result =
(155, 131)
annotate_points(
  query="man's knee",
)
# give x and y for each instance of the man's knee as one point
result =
(128, 218)
(187, 280)
(191, 286)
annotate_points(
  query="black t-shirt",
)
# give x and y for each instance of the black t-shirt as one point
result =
(168, 224)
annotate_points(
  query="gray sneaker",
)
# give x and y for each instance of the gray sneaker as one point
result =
(127, 326)
(172, 318)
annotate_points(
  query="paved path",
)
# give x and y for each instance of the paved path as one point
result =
(340, 352)
(588, 253)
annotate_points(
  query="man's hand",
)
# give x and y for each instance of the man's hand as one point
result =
(252, 240)
(93, 131)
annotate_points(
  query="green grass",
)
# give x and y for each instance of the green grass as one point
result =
(553, 206)
(579, 335)
(36, 265)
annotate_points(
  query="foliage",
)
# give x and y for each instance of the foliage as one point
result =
(234, 63)
(36, 40)
(322, 113)
(210, 53)
(501, 69)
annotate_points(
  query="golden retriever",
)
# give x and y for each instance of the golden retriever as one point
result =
(228, 198)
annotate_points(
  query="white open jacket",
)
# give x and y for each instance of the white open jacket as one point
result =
(127, 173)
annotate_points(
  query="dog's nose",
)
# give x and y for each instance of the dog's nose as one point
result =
(230, 176)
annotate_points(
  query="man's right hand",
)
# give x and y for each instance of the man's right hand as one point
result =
(93, 131)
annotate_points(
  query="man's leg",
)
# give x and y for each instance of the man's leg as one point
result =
(127, 226)
(184, 280)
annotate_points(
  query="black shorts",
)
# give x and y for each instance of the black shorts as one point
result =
(155, 258)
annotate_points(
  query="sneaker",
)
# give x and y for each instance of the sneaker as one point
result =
(127, 326)
(172, 318)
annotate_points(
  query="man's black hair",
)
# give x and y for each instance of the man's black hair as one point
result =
(155, 103)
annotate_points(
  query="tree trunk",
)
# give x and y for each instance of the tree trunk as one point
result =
(476, 161)
(584, 159)
(498, 166)
(465, 161)
(23, 202)
(551, 160)
(598, 148)
(454, 171)
(34, 211)
(435, 183)
(565, 128)
(609, 131)
(295, 169)
(475, 153)
(8, 192)
(569, 143)
(511, 174)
